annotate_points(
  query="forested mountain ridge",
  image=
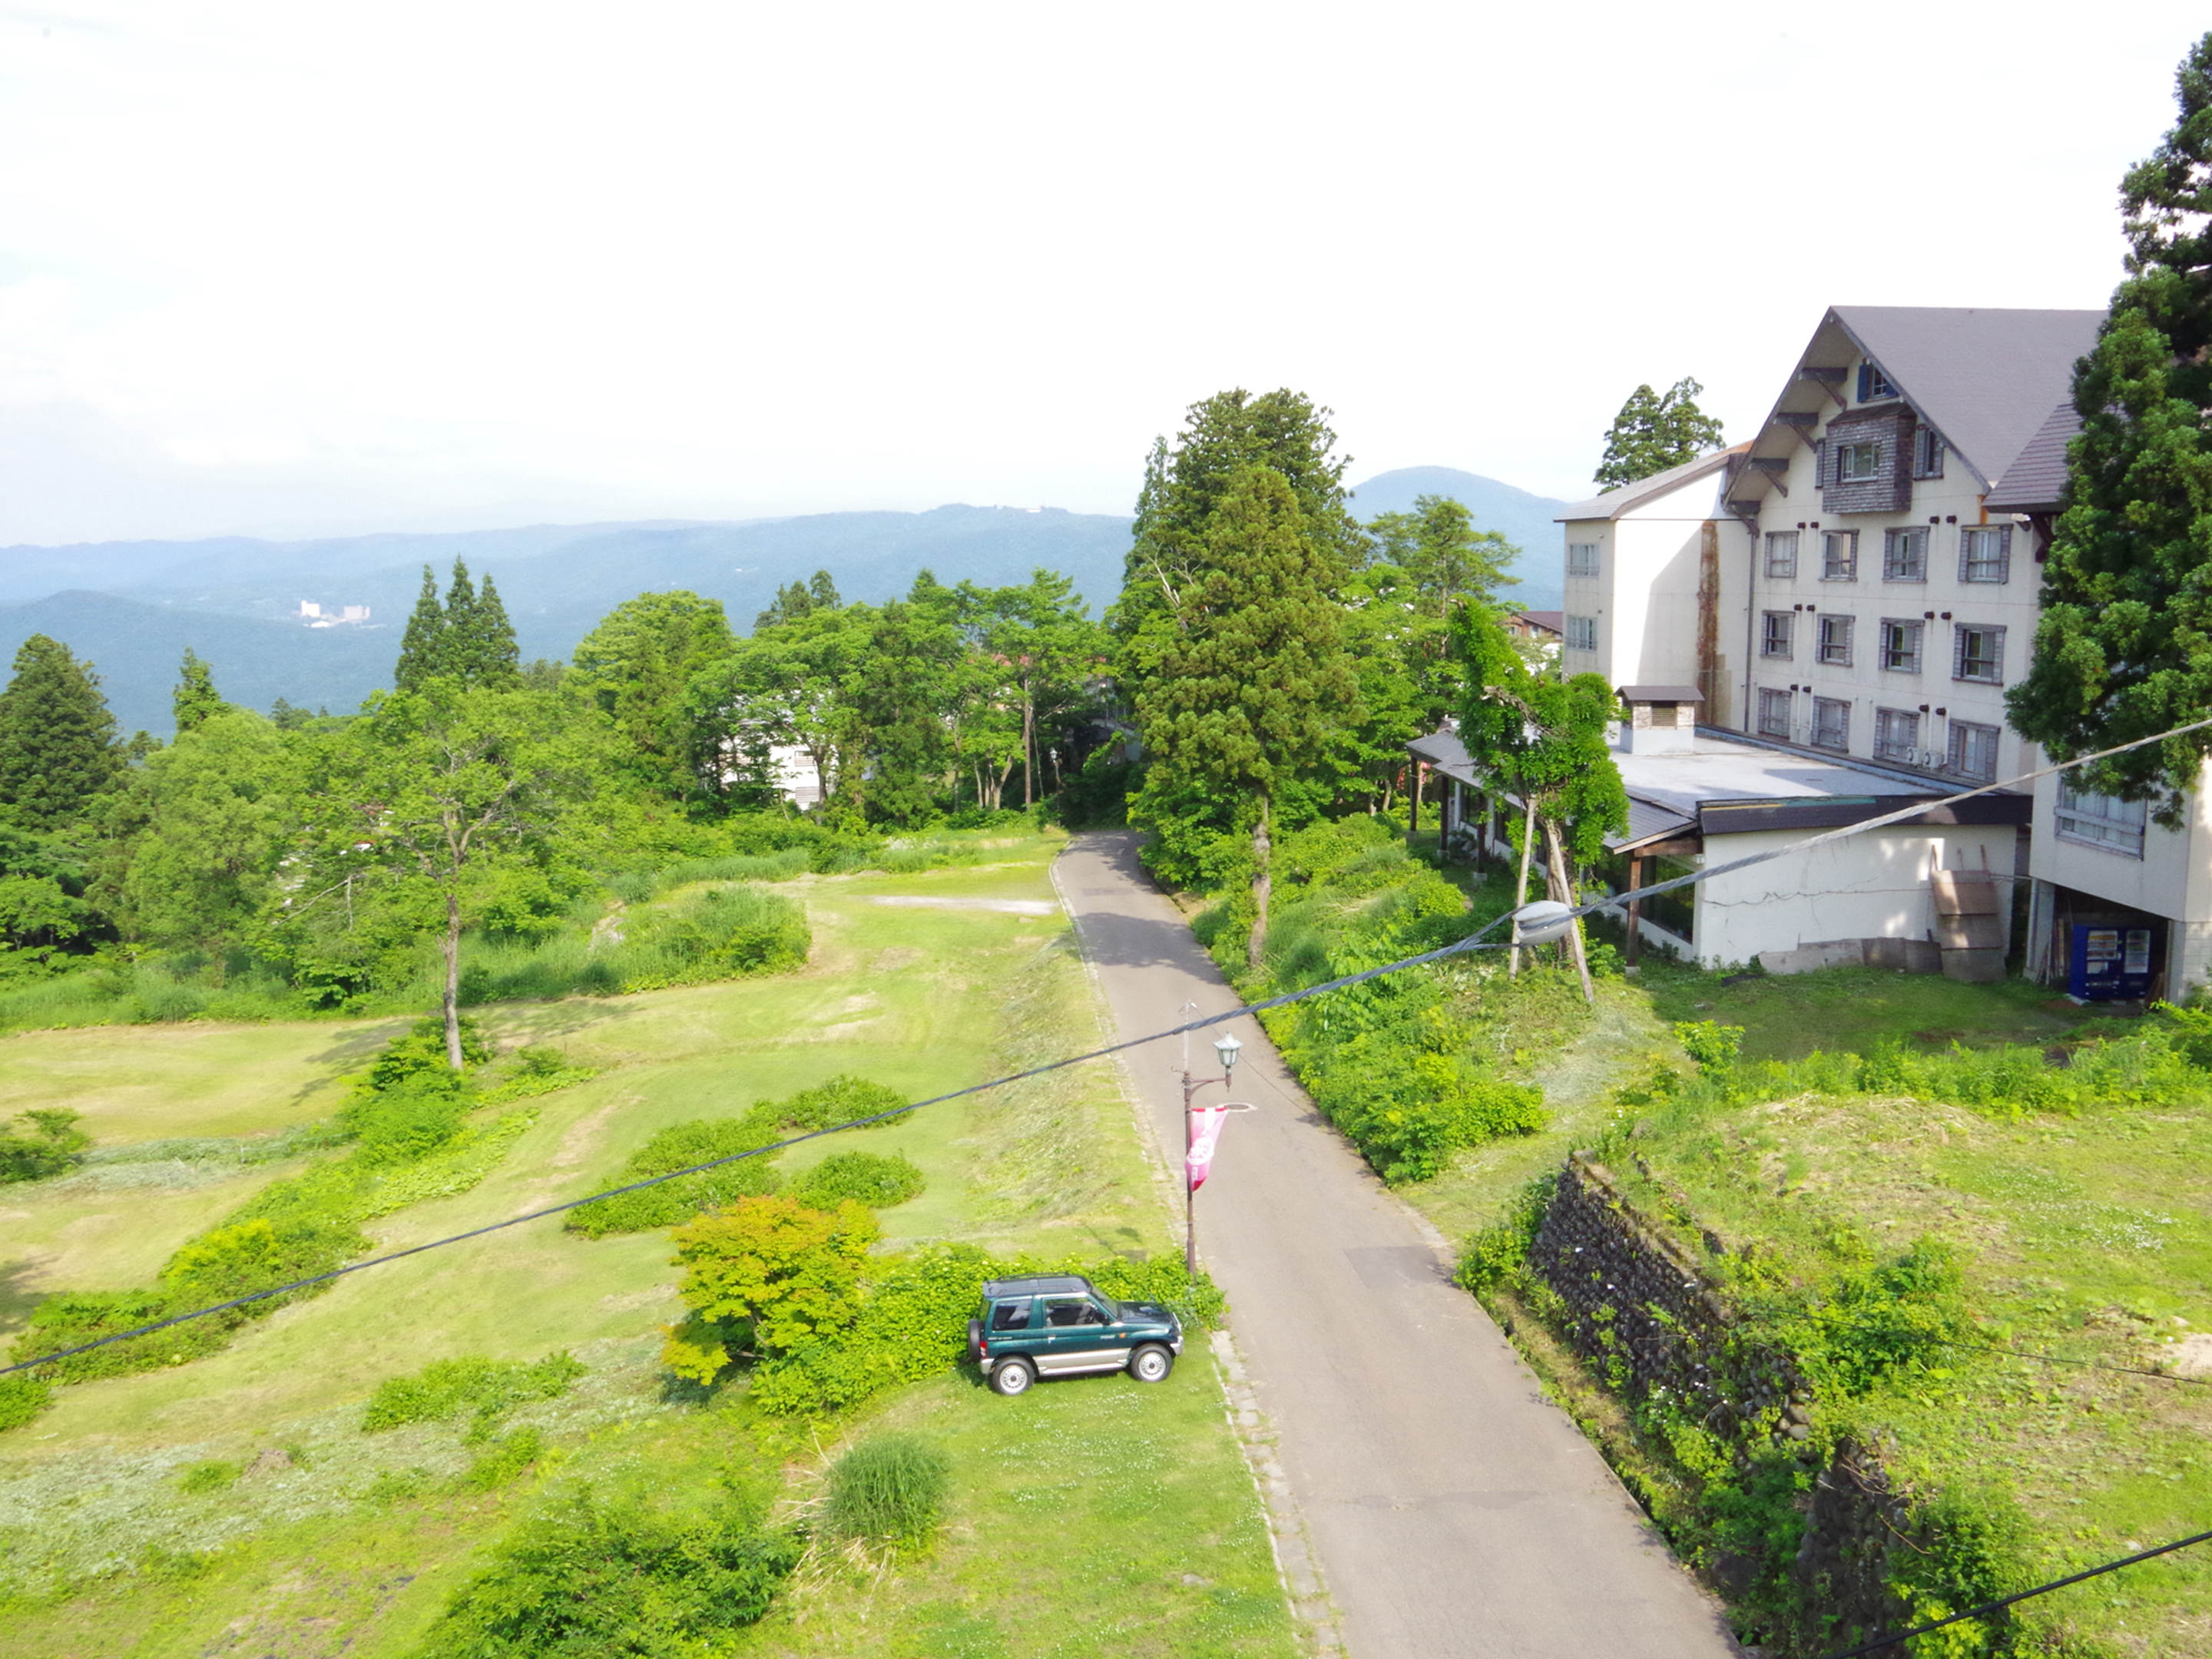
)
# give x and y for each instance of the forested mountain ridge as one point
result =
(130, 608)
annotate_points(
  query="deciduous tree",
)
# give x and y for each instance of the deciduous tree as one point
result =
(637, 665)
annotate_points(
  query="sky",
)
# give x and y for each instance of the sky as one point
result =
(291, 269)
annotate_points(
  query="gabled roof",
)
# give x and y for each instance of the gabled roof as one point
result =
(1626, 497)
(1556, 620)
(2037, 478)
(1984, 378)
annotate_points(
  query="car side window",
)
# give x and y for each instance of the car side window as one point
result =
(1095, 1315)
(1061, 1312)
(1010, 1316)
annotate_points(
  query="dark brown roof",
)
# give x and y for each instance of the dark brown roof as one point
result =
(1554, 620)
(2034, 482)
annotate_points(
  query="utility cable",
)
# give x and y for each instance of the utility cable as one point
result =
(1474, 941)
(1880, 1643)
(2061, 1359)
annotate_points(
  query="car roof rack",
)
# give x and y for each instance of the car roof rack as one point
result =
(1039, 1285)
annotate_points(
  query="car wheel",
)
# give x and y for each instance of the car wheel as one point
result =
(1150, 1363)
(1012, 1376)
(975, 1339)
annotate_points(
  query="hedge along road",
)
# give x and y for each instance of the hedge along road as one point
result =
(1454, 1510)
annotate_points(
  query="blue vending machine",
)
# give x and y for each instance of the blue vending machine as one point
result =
(2109, 963)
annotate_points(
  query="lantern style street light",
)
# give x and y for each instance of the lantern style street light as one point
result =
(1226, 1048)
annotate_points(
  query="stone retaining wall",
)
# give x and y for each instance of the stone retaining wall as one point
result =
(1638, 1308)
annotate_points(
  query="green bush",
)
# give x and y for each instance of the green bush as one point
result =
(590, 1577)
(486, 1387)
(890, 1489)
(674, 1202)
(408, 1119)
(21, 1399)
(863, 1177)
(702, 1140)
(53, 1146)
(421, 1050)
(723, 932)
(502, 1461)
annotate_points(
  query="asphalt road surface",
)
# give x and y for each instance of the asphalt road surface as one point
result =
(1454, 1510)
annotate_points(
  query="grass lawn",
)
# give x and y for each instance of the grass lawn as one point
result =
(299, 1560)
(2087, 1237)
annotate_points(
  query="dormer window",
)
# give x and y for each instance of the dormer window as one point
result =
(1873, 384)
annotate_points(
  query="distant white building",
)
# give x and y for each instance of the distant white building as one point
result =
(315, 616)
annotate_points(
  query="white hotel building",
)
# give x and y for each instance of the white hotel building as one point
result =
(1859, 584)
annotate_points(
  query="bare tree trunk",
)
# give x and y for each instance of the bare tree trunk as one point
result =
(1521, 887)
(451, 945)
(1262, 885)
(1566, 885)
(1029, 753)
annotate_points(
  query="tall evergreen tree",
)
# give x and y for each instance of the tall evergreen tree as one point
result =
(1252, 679)
(481, 641)
(2123, 648)
(57, 737)
(422, 648)
(795, 600)
(195, 700)
(1282, 430)
(1656, 430)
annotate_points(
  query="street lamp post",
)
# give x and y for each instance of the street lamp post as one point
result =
(1228, 1048)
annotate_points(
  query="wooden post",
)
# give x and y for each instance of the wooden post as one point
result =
(1565, 878)
(1635, 907)
(1521, 891)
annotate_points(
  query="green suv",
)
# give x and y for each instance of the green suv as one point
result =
(1058, 1324)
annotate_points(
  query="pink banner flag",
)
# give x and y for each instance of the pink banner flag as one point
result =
(1206, 1123)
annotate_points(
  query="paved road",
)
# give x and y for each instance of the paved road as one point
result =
(1454, 1511)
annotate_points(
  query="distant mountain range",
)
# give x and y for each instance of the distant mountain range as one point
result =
(132, 607)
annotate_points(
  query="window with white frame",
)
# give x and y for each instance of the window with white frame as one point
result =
(1985, 553)
(1582, 558)
(1977, 653)
(1904, 554)
(2103, 821)
(1927, 453)
(1774, 711)
(1840, 556)
(1776, 632)
(1832, 723)
(1973, 751)
(1835, 648)
(1858, 462)
(1582, 632)
(1896, 735)
(1781, 552)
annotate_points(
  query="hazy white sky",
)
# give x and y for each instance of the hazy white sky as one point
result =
(300, 268)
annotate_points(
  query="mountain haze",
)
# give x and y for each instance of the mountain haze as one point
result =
(130, 608)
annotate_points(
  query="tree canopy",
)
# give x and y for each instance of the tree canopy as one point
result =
(2124, 646)
(1656, 430)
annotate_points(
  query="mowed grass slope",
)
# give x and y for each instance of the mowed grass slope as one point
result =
(924, 997)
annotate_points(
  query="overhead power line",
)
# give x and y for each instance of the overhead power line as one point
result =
(1475, 941)
(1880, 1643)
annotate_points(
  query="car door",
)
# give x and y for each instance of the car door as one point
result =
(1080, 1336)
(1013, 1326)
